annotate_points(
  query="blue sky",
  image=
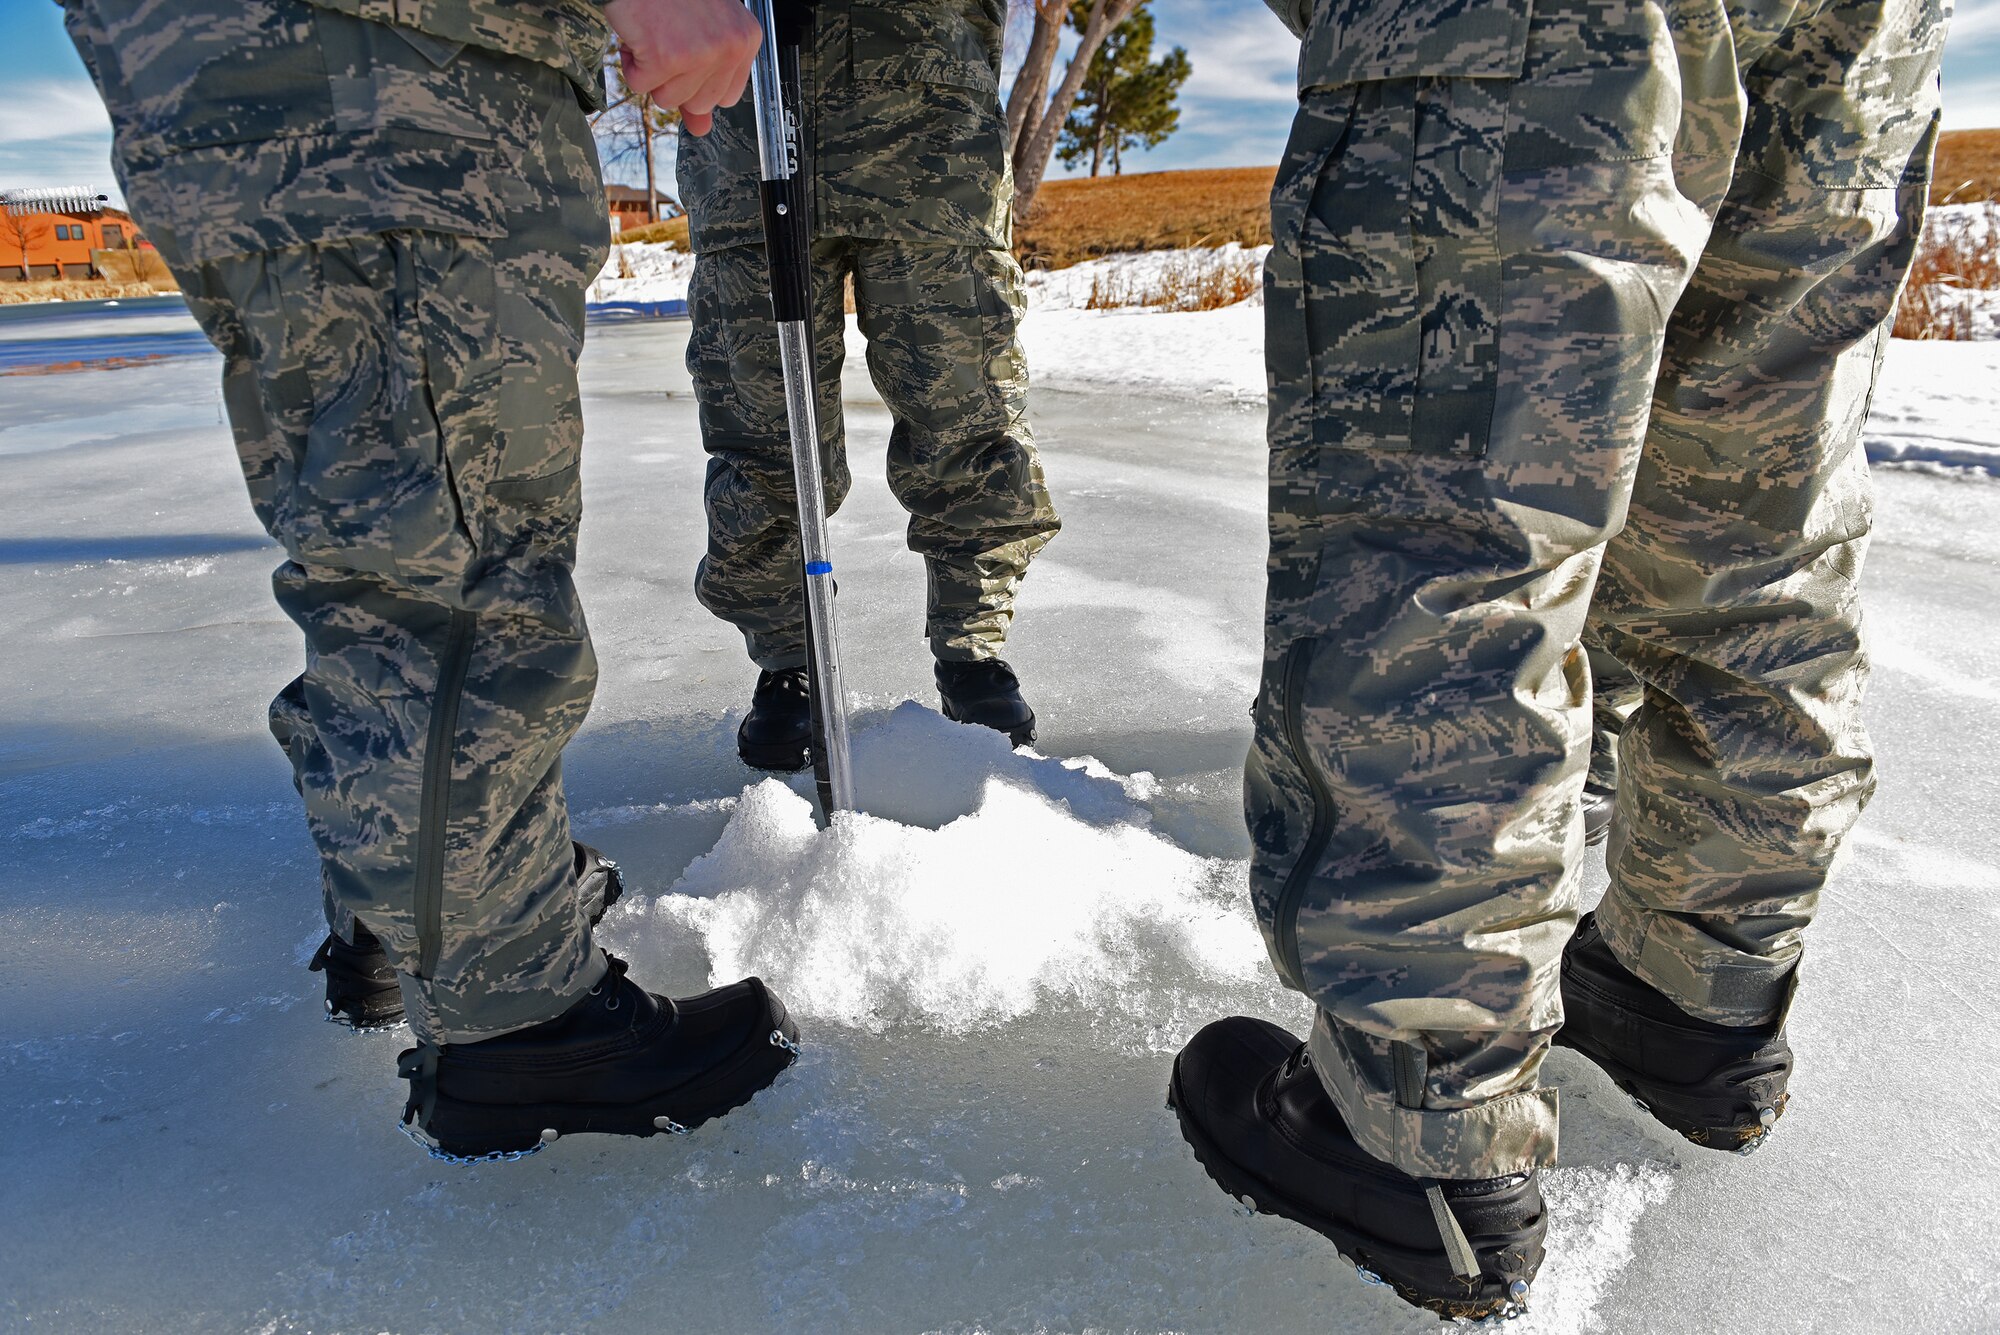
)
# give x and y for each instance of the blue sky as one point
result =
(1235, 107)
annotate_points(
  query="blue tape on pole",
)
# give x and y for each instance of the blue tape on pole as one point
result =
(819, 567)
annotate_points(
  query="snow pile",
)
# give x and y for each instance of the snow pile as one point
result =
(1168, 279)
(644, 271)
(981, 886)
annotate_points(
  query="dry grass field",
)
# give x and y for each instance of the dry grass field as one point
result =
(1082, 219)
(1968, 167)
(673, 230)
(79, 289)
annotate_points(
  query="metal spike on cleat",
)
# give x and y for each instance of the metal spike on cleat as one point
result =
(670, 1126)
(431, 1148)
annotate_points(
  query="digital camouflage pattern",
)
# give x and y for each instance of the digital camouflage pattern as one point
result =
(1614, 695)
(903, 137)
(1545, 278)
(268, 125)
(569, 34)
(940, 323)
(388, 241)
(905, 147)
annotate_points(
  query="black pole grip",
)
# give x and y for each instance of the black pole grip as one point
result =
(788, 248)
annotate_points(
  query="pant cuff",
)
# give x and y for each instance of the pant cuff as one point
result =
(1698, 973)
(774, 658)
(1511, 1134)
(947, 651)
(437, 1017)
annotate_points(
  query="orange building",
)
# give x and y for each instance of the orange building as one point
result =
(70, 234)
(632, 207)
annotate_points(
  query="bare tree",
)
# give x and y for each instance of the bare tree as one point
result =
(627, 128)
(1031, 157)
(25, 231)
(1031, 81)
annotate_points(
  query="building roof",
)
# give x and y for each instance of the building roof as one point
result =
(56, 199)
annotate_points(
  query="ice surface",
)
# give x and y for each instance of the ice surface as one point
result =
(990, 966)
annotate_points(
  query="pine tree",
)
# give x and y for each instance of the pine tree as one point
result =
(1128, 98)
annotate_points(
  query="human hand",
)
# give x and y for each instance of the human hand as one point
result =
(694, 55)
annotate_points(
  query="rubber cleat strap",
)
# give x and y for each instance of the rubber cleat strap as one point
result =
(1457, 1247)
(419, 1066)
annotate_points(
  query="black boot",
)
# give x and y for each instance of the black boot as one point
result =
(620, 1062)
(1598, 806)
(988, 694)
(777, 732)
(361, 990)
(1263, 1126)
(1719, 1085)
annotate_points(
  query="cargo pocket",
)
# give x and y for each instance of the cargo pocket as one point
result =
(919, 44)
(242, 73)
(385, 351)
(385, 77)
(1398, 236)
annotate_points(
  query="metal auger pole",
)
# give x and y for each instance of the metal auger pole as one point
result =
(788, 243)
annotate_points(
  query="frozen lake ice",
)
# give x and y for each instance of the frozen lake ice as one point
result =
(990, 981)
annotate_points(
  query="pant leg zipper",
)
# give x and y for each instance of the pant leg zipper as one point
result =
(434, 814)
(1284, 923)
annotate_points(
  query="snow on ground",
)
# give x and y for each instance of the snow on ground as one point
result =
(644, 271)
(990, 966)
(1128, 279)
(658, 271)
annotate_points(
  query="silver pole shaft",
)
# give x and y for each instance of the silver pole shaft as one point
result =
(777, 143)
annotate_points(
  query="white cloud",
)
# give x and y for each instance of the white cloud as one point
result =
(1239, 52)
(1974, 23)
(32, 107)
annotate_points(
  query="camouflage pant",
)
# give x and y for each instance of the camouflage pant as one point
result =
(1614, 696)
(1620, 299)
(405, 406)
(940, 322)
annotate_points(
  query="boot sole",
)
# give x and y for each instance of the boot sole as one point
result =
(392, 1016)
(1020, 736)
(476, 1132)
(1375, 1261)
(362, 1020)
(1713, 1121)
